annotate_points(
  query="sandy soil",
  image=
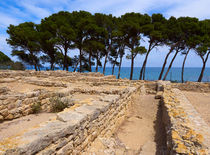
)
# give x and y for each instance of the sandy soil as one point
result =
(12, 128)
(201, 102)
(143, 130)
(141, 133)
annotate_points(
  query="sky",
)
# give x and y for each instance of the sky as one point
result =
(18, 11)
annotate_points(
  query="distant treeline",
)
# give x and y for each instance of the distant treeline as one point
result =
(105, 36)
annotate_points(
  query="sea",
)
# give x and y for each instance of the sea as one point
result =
(152, 73)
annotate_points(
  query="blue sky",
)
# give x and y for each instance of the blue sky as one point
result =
(18, 11)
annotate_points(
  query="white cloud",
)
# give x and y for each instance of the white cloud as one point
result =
(6, 20)
(34, 10)
(192, 8)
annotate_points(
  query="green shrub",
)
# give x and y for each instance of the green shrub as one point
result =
(17, 66)
(57, 105)
(36, 108)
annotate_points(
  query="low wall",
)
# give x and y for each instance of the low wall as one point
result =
(187, 133)
(74, 128)
(18, 105)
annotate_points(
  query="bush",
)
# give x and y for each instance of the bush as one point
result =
(57, 105)
(36, 108)
(17, 66)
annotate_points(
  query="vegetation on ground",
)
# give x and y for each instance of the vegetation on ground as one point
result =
(36, 107)
(7, 63)
(57, 105)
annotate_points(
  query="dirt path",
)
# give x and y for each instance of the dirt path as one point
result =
(12, 128)
(201, 102)
(141, 133)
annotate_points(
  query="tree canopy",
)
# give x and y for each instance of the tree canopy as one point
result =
(100, 37)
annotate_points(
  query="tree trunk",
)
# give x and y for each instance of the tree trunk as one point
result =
(65, 59)
(89, 61)
(114, 66)
(52, 65)
(144, 63)
(35, 66)
(184, 65)
(144, 72)
(169, 67)
(76, 66)
(132, 63)
(80, 60)
(203, 68)
(119, 67)
(96, 61)
(105, 61)
(164, 64)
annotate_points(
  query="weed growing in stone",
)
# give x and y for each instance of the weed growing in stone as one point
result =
(57, 105)
(36, 107)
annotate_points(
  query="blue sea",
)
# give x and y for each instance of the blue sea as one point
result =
(152, 73)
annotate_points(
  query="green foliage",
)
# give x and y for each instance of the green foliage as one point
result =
(57, 105)
(23, 39)
(36, 107)
(4, 59)
(17, 66)
(99, 36)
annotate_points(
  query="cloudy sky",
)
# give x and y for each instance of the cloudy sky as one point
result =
(18, 11)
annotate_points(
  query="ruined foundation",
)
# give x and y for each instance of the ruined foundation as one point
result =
(97, 106)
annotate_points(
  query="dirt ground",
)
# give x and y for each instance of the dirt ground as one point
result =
(201, 102)
(25, 87)
(12, 128)
(141, 133)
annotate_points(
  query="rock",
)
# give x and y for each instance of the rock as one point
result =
(10, 116)
(70, 116)
(4, 112)
(1, 118)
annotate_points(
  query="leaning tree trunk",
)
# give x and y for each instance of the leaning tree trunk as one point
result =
(65, 59)
(89, 61)
(169, 67)
(119, 67)
(80, 60)
(114, 65)
(144, 64)
(203, 68)
(184, 65)
(97, 61)
(164, 64)
(76, 66)
(132, 63)
(35, 66)
(105, 61)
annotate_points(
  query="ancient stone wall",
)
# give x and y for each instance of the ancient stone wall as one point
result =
(97, 105)
(73, 129)
(187, 133)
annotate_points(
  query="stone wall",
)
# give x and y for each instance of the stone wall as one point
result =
(74, 128)
(15, 104)
(187, 133)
